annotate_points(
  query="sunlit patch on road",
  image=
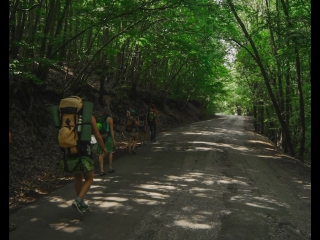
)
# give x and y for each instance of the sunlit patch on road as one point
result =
(191, 225)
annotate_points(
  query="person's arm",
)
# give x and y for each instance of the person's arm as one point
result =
(157, 113)
(110, 121)
(97, 134)
(147, 117)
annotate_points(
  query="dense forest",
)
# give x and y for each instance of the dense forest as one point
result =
(249, 57)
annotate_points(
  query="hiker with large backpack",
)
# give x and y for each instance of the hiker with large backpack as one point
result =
(131, 130)
(106, 129)
(152, 120)
(74, 123)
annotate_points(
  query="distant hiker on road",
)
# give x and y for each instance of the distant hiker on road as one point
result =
(107, 132)
(152, 120)
(142, 126)
(131, 131)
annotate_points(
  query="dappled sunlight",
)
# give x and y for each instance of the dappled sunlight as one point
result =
(268, 156)
(205, 213)
(105, 198)
(241, 148)
(32, 207)
(66, 204)
(217, 145)
(99, 179)
(56, 199)
(197, 189)
(307, 187)
(189, 209)
(173, 178)
(191, 225)
(189, 179)
(207, 143)
(271, 150)
(202, 195)
(259, 206)
(118, 199)
(156, 192)
(159, 148)
(106, 204)
(65, 227)
(215, 132)
(202, 149)
(208, 182)
(232, 181)
(259, 202)
(97, 192)
(194, 174)
(223, 131)
(167, 133)
(62, 203)
(260, 143)
(145, 174)
(195, 133)
(152, 194)
(251, 170)
(157, 187)
(146, 201)
(297, 180)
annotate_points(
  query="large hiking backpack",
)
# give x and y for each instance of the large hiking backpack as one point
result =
(72, 113)
(152, 116)
(68, 136)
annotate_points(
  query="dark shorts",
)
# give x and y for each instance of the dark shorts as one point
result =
(132, 133)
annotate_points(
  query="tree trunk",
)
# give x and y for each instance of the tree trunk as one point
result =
(265, 77)
(43, 68)
(299, 82)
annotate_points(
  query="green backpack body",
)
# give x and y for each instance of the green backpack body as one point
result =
(105, 127)
(152, 116)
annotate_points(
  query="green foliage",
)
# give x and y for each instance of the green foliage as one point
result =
(16, 70)
(172, 49)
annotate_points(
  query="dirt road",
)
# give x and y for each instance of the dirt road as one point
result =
(209, 180)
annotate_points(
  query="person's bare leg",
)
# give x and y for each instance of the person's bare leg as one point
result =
(144, 137)
(78, 183)
(88, 180)
(129, 144)
(101, 162)
(134, 140)
(110, 160)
